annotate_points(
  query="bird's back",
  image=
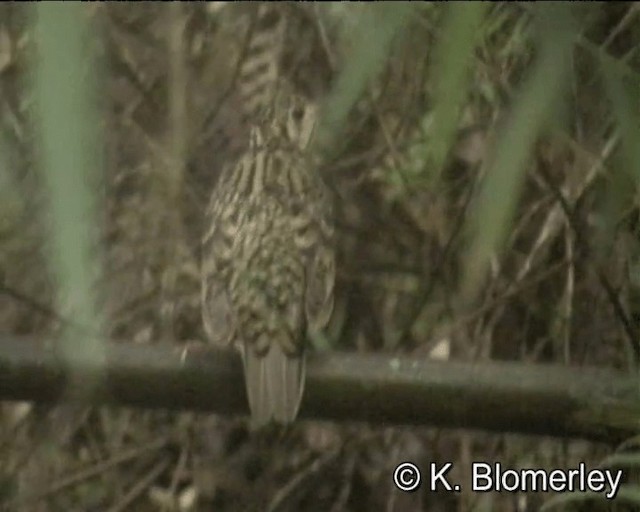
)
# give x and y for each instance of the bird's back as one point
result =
(269, 219)
(268, 262)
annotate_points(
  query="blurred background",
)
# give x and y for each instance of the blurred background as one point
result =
(484, 160)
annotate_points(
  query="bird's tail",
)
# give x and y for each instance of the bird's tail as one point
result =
(275, 382)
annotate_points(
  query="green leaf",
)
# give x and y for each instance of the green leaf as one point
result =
(453, 57)
(65, 86)
(373, 36)
(505, 169)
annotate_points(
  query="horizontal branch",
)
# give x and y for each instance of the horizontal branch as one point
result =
(506, 397)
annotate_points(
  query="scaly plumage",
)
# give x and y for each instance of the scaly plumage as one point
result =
(268, 259)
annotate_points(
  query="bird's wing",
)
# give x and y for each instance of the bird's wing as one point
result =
(321, 268)
(217, 254)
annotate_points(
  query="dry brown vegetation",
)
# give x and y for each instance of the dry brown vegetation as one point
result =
(561, 283)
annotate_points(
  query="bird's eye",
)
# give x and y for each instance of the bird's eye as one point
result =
(297, 114)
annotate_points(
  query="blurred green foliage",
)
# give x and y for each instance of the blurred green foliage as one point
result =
(65, 80)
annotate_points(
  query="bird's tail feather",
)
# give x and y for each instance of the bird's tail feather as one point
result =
(275, 383)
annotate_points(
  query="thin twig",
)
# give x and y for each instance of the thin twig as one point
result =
(140, 486)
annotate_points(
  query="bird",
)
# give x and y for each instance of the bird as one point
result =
(268, 259)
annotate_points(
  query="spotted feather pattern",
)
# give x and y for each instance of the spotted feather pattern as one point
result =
(268, 259)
